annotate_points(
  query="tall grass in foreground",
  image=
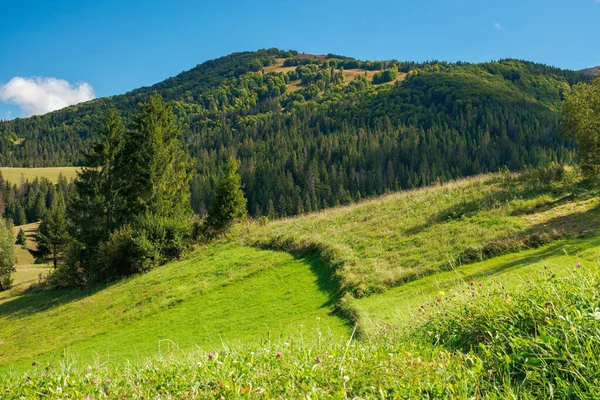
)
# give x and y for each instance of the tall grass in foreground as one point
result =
(539, 341)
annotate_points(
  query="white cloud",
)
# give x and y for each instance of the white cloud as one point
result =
(499, 26)
(39, 95)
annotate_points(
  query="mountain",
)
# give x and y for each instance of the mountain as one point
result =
(314, 131)
(591, 71)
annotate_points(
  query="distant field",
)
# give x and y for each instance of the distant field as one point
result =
(27, 271)
(15, 175)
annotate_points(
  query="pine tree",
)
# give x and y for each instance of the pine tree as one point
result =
(7, 255)
(21, 239)
(154, 155)
(53, 236)
(229, 203)
(97, 209)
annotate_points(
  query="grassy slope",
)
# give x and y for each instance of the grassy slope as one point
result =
(15, 175)
(403, 304)
(233, 293)
(226, 293)
(402, 237)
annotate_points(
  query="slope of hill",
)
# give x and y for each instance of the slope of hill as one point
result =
(591, 71)
(370, 263)
(312, 133)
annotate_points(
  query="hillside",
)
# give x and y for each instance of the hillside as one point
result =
(591, 71)
(313, 132)
(374, 262)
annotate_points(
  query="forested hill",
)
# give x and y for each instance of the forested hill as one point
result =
(316, 131)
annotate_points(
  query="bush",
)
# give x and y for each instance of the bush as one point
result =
(388, 75)
(150, 242)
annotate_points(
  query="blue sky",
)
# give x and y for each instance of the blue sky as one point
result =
(116, 46)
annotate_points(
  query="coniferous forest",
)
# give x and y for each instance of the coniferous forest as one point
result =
(309, 135)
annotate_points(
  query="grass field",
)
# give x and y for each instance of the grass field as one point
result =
(226, 294)
(401, 237)
(387, 262)
(16, 175)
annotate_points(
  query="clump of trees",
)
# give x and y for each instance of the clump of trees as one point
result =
(387, 75)
(581, 118)
(7, 255)
(131, 210)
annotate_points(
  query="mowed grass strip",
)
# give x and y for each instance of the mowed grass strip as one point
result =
(224, 294)
(381, 243)
(16, 175)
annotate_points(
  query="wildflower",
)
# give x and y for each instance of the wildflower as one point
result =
(480, 284)
(330, 356)
(318, 360)
(286, 344)
(346, 378)
(578, 265)
(108, 380)
(442, 293)
(279, 355)
(472, 283)
(211, 356)
(199, 363)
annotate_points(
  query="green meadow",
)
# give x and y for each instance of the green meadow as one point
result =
(303, 307)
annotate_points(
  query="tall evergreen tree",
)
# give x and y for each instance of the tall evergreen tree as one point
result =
(53, 236)
(21, 239)
(97, 210)
(7, 255)
(154, 171)
(229, 203)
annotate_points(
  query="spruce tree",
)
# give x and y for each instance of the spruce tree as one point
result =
(21, 239)
(154, 171)
(97, 210)
(229, 203)
(53, 236)
(7, 255)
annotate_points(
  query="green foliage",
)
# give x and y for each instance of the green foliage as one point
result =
(153, 154)
(53, 236)
(229, 203)
(21, 239)
(123, 225)
(7, 255)
(327, 140)
(387, 75)
(581, 113)
(150, 242)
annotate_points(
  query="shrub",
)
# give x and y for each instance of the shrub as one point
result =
(387, 75)
(142, 246)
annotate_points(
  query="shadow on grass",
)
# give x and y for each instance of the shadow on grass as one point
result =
(328, 283)
(33, 302)
(576, 225)
(512, 190)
